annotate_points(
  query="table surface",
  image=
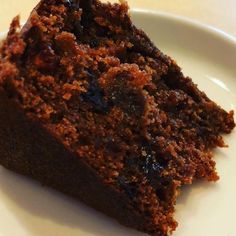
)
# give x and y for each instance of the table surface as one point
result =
(217, 13)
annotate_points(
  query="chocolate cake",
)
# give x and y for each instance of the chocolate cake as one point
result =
(89, 106)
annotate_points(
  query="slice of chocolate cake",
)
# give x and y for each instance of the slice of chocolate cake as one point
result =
(89, 106)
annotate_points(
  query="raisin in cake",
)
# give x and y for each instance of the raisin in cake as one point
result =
(89, 106)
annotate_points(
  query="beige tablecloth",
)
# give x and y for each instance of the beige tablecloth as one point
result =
(218, 13)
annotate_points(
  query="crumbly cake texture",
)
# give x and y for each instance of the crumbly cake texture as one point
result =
(91, 107)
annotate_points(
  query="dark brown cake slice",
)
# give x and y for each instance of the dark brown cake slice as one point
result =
(89, 106)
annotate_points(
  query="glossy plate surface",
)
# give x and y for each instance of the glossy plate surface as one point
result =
(209, 57)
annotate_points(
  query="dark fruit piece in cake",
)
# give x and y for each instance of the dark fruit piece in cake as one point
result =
(89, 106)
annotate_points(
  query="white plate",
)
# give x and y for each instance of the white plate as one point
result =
(204, 209)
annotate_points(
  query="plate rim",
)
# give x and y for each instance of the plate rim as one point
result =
(186, 21)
